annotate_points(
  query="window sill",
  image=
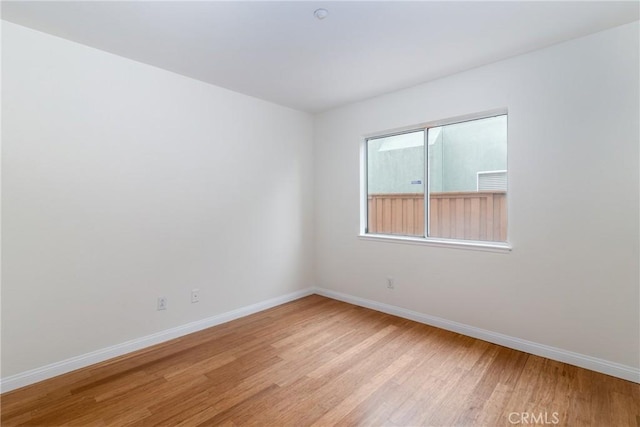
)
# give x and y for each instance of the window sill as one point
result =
(443, 243)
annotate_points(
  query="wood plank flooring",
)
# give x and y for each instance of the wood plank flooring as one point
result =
(317, 361)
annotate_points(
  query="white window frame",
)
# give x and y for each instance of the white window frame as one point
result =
(481, 245)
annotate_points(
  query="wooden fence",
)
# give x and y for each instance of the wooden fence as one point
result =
(461, 215)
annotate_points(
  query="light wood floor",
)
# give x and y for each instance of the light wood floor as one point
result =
(317, 361)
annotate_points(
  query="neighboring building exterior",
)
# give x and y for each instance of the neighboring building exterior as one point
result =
(457, 152)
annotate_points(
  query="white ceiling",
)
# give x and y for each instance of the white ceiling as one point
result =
(279, 52)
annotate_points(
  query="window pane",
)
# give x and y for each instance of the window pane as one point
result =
(468, 180)
(395, 184)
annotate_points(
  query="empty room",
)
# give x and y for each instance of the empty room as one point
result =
(300, 213)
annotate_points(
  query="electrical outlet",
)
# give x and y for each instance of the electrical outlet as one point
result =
(195, 296)
(390, 283)
(162, 303)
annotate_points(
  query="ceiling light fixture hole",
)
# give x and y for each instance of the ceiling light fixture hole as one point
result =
(321, 13)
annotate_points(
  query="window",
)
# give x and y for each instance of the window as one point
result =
(461, 167)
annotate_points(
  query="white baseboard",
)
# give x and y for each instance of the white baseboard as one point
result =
(592, 363)
(49, 371)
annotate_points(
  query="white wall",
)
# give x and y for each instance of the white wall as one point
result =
(123, 182)
(572, 280)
